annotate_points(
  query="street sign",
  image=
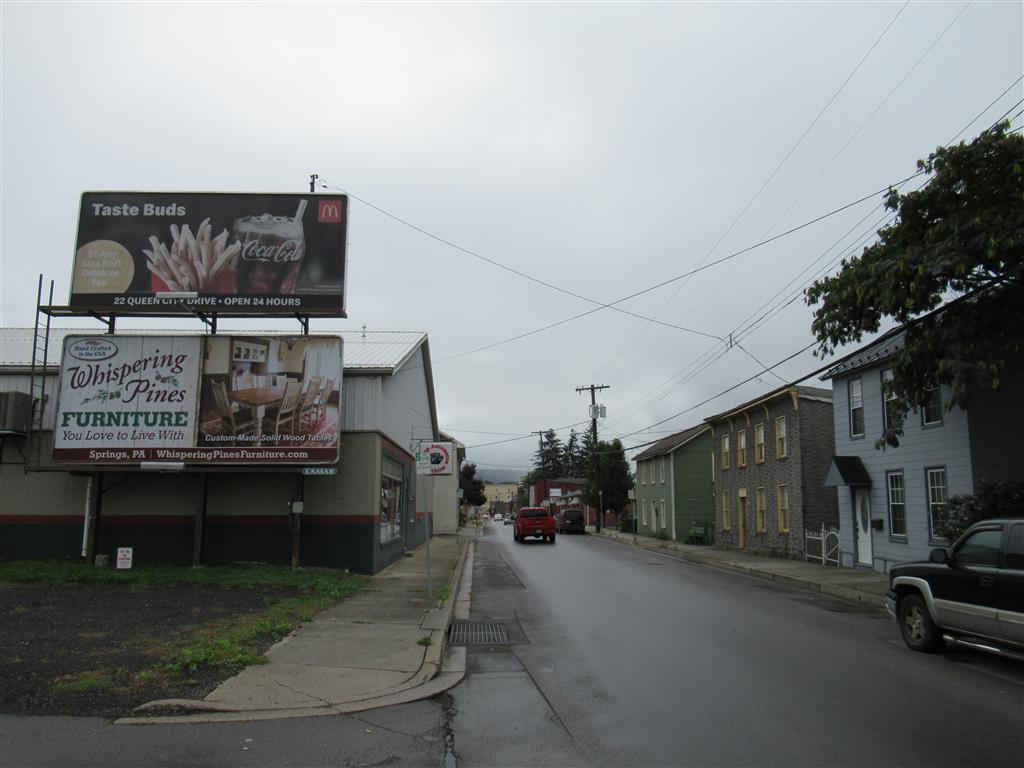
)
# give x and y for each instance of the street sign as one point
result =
(319, 471)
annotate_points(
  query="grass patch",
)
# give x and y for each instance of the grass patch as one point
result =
(443, 594)
(87, 681)
(426, 642)
(229, 643)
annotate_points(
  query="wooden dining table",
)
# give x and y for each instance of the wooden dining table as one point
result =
(259, 399)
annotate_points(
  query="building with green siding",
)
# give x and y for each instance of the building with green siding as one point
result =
(675, 484)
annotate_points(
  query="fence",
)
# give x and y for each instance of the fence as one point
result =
(822, 547)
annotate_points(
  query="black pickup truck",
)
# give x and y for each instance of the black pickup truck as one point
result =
(971, 594)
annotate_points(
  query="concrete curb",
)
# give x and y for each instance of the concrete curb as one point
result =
(436, 674)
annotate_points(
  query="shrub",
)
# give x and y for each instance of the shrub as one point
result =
(995, 498)
(626, 524)
(662, 536)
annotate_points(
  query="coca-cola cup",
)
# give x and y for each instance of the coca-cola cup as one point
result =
(272, 251)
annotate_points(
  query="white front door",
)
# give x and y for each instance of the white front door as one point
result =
(862, 513)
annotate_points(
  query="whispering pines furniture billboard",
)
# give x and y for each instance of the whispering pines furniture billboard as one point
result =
(199, 400)
(246, 254)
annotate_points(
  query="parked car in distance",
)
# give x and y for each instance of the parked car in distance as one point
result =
(497, 517)
(571, 521)
(534, 521)
(510, 518)
(971, 594)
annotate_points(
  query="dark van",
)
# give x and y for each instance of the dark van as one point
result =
(571, 521)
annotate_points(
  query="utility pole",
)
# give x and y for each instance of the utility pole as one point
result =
(593, 429)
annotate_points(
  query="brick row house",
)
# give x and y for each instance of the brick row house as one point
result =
(770, 459)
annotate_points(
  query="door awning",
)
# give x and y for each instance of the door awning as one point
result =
(849, 471)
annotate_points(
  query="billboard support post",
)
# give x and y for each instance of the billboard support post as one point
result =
(295, 519)
(197, 535)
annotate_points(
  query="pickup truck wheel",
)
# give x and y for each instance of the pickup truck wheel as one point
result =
(918, 629)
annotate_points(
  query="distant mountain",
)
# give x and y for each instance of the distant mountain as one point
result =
(500, 475)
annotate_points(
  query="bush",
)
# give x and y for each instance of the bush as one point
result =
(995, 498)
(626, 524)
(662, 536)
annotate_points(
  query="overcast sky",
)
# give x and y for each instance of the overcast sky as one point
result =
(602, 149)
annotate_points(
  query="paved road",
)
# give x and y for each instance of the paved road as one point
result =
(625, 657)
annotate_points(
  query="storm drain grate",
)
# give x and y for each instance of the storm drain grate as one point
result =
(478, 633)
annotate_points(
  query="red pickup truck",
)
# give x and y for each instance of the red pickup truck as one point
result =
(534, 521)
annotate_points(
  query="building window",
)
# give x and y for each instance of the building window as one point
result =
(937, 500)
(643, 511)
(741, 448)
(759, 443)
(856, 397)
(780, 437)
(664, 517)
(783, 509)
(759, 500)
(888, 399)
(725, 451)
(931, 408)
(726, 513)
(643, 473)
(661, 470)
(897, 504)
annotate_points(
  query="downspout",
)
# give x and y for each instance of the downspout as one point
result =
(672, 491)
(93, 494)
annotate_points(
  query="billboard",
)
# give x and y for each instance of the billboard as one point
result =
(250, 254)
(199, 400)
(435, 459)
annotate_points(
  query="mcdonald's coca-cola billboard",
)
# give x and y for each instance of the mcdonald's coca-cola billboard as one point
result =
(251, 254)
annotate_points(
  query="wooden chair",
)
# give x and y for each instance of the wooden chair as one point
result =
(309, 407)
(322, 397)
(289, 408)
(235, 424)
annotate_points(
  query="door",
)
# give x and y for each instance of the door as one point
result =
(1010, 588)
(862, 513)
(743, 519)
(965, 594)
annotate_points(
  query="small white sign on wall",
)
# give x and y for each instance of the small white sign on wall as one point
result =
(124, 557)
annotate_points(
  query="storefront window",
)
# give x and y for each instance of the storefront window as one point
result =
(391, 502)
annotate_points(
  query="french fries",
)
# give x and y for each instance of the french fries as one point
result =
(194, 261)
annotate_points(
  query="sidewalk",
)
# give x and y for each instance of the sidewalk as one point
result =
(385, 645)
(851, 584)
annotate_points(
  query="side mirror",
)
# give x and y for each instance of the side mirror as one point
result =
(939, 556)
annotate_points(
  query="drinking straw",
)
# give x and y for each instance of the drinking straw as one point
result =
(301, 210)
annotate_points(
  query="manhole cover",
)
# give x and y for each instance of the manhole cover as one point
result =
(478, 633)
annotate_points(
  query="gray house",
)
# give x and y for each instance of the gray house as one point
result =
(674, 486)
(770, 458)
(892, 500)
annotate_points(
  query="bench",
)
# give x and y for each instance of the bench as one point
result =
(698, 534)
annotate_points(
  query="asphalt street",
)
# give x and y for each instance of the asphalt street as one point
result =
(627, 657)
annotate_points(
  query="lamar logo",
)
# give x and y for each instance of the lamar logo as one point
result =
(330, 212)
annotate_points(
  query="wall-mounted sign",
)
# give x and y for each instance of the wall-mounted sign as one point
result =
(435, 459)
(129, 400)
(140, 252)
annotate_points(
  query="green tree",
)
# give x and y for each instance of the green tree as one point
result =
(609, 473)
(472, 487)
(549, 458)
(958, 239)
(573, 456)
(995, 498)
